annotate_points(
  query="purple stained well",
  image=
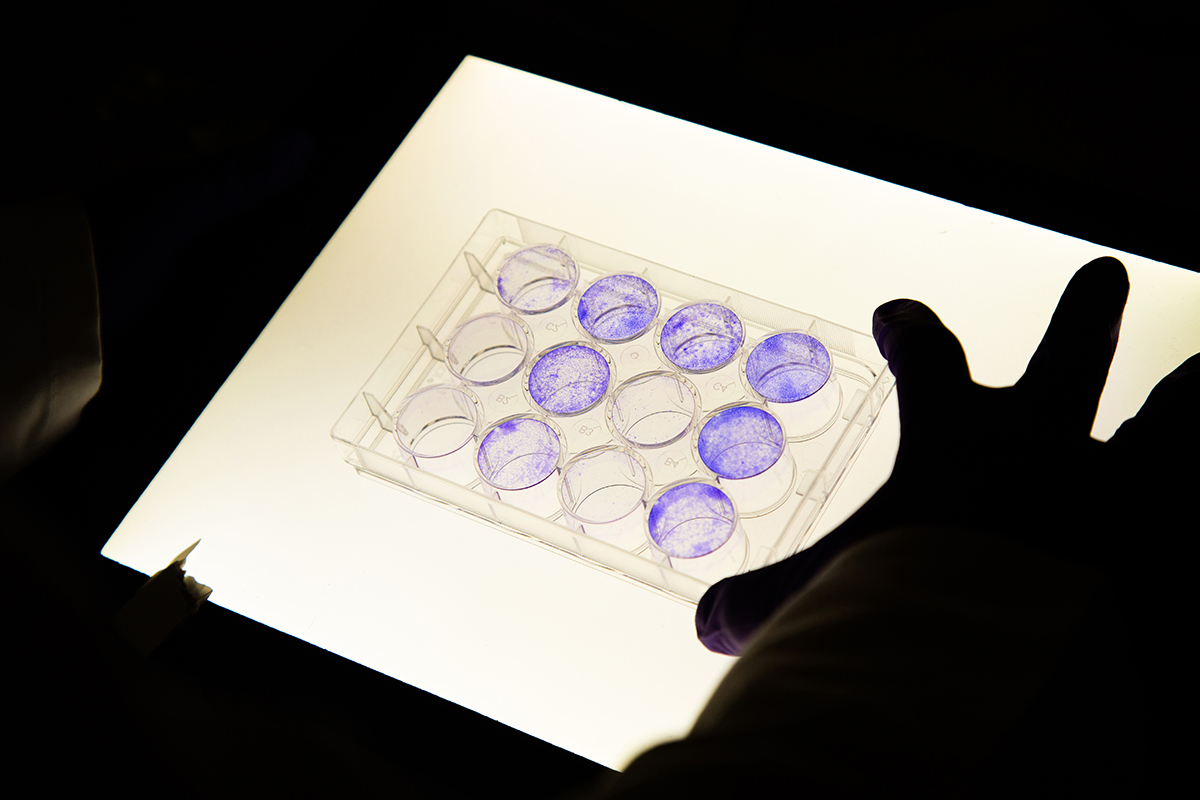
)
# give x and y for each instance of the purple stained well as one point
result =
(618, 308)
(741, 442)
(537, 279)
(518, 453)
(788, 367)
(692, 520)
(569, 380)
(702, 337)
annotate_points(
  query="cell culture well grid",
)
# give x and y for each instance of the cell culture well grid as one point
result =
(666, 429)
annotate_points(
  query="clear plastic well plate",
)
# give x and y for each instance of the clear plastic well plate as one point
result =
(519, 398)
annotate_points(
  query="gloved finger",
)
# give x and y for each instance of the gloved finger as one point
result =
(733, 609)
(1070, 366)
(1166, 424)
(1151, 458)
(926, 358)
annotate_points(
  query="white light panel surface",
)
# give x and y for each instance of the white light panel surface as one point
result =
(292, 537)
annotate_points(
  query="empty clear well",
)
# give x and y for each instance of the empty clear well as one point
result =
(603, 492)
(438, 426)
(654, 409)
(488, 349)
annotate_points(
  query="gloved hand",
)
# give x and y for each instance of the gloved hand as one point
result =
(1017, 461)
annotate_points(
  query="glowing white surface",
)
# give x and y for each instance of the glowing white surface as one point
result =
(293, 538)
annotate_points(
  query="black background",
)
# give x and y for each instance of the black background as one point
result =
(216, 150)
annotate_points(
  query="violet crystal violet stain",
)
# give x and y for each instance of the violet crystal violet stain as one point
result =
(788, 367)
(518, 453)
(537, 279)
(702, 337)
(692, 520)
(741, 442)
(618, 308)
(569, 380)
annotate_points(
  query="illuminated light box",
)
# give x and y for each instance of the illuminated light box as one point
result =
(293, 537)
